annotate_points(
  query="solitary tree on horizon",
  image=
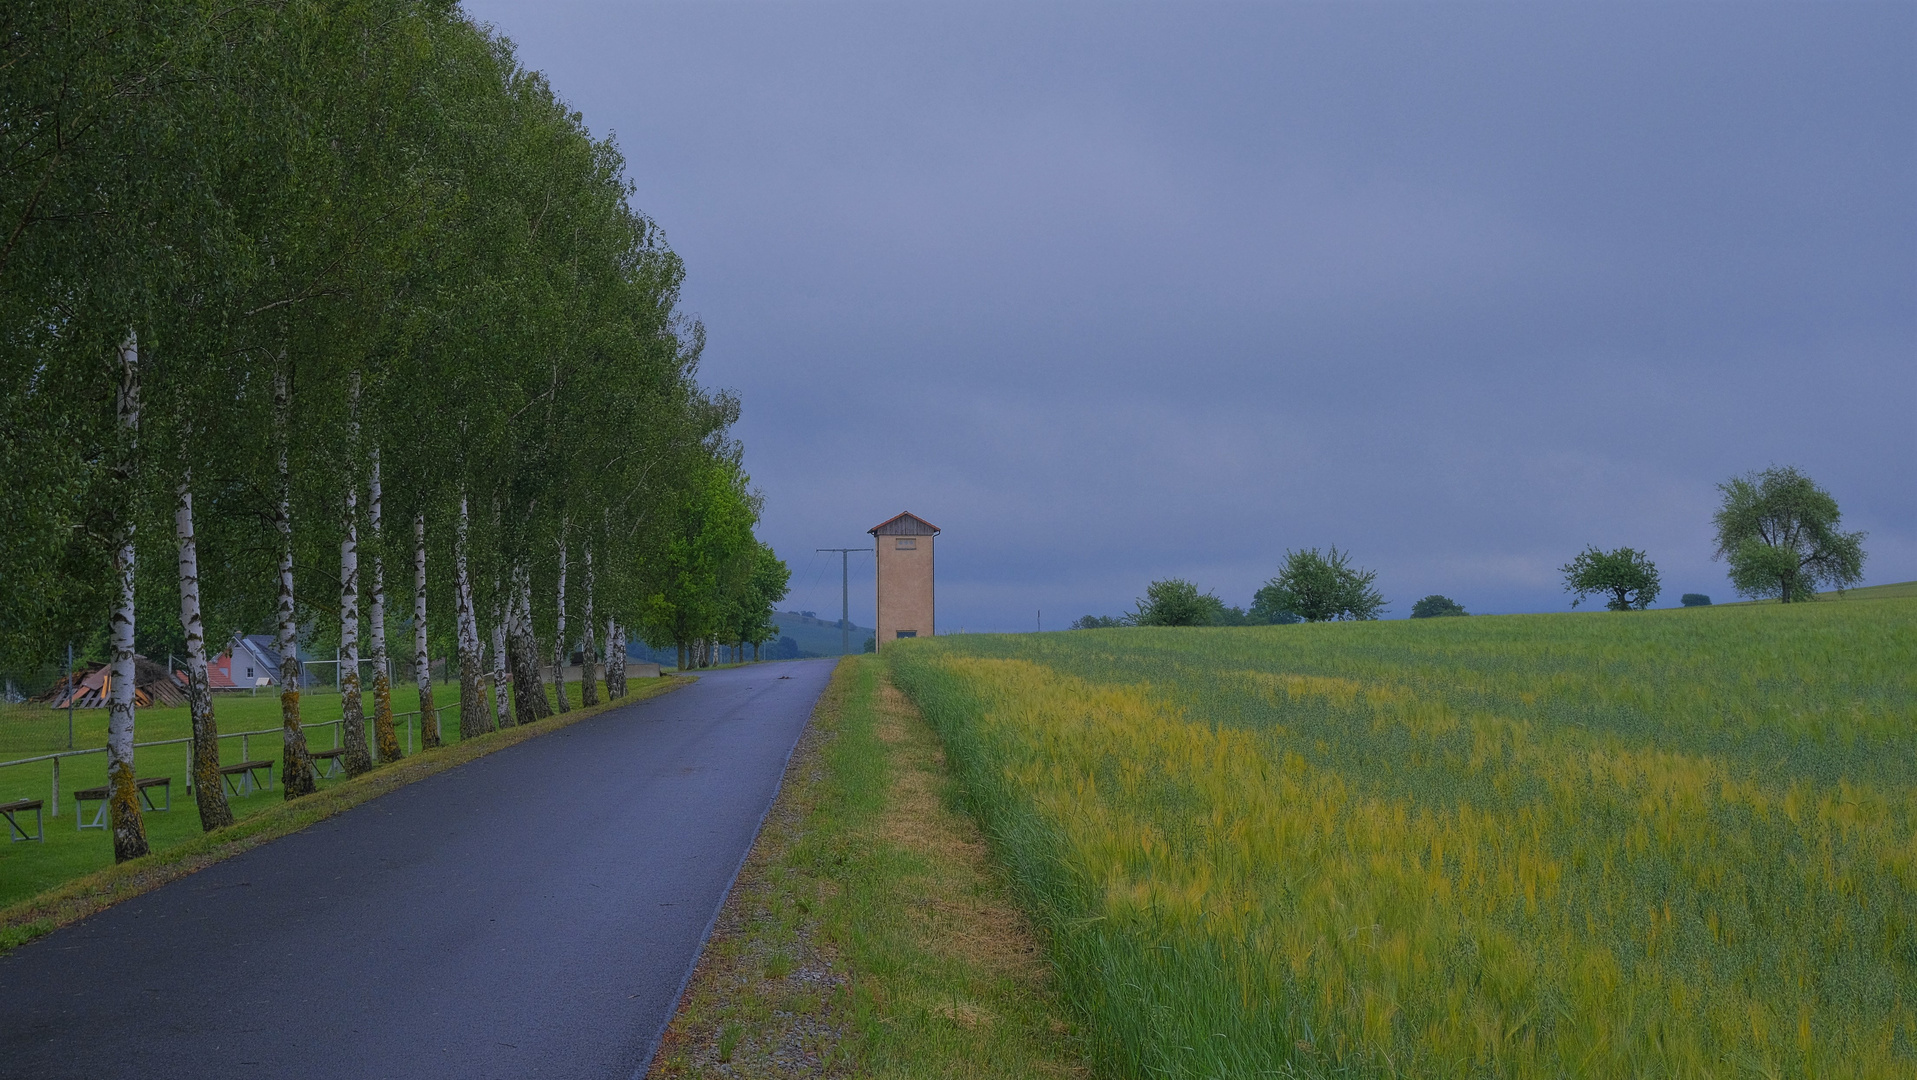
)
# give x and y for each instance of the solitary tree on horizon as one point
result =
(1778, 531)
(1627, 576)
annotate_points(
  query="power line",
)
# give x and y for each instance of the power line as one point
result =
(818, 571)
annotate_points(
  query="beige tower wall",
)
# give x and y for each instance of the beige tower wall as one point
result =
(904, 587)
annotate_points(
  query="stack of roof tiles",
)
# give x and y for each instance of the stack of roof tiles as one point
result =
(152, 685)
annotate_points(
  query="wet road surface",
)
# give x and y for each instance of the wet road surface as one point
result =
(531, 913)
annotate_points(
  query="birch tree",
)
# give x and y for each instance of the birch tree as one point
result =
(123, 800)
(589, 647)
(559, 631)
(384, 734)
(422, 646)
(209, 791)
(358, 756)
(502, 705)
(522, 650)
(472, 695)
(615, 660)
(297, 776)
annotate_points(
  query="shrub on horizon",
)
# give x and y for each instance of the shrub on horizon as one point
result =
(1176, 602)
(1320, 586)
(1695, 599)
(1437, 607)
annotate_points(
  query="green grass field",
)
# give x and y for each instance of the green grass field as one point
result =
(28, 731)
(1675, 843)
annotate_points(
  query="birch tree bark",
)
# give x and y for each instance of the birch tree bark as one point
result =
(358, 757)
(384, 737)
(559, 633)
(542, 708)
(472, 690)
(422, 655)
(522, 652)
(297, 777)
(588, 649)
(502, 705)
(208, 790)
(615, 660)
(620, 656)
(123, 800)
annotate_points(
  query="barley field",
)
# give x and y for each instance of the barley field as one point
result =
(1659, 844)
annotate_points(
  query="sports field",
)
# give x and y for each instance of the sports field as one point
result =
(1675, 843)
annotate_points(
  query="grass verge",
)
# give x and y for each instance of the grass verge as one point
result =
(82, 896)
(869, 933)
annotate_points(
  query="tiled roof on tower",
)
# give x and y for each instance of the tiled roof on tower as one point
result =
(905, 524)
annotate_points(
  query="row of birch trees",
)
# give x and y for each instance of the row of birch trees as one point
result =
(328, 316)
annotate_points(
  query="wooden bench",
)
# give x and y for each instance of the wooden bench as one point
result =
(332, 759)
(99, 795)
(240, 780)
(15, 832)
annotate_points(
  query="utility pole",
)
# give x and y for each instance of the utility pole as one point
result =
(845, 596)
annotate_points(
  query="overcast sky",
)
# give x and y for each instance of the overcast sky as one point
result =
(1112, 292)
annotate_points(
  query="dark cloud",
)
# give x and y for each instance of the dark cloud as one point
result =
(1113, 292)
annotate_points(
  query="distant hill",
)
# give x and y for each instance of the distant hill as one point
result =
(1894, 591)
(818, 636)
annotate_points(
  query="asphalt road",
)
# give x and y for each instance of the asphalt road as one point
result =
(531, 913)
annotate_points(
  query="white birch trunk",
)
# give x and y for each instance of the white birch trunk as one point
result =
(385, 738)
(472, 690)
(621, 657)
(123, 800)
(616, 662)
(612, 674)
(358, 757)
(589, 648)
(422, 654)
(522, 652)
(208, 791)
(296, 768)
(559, 633)
(502, 708)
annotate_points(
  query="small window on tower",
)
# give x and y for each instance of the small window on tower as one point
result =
(908, 633)
(249, 673)
(907, 543)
